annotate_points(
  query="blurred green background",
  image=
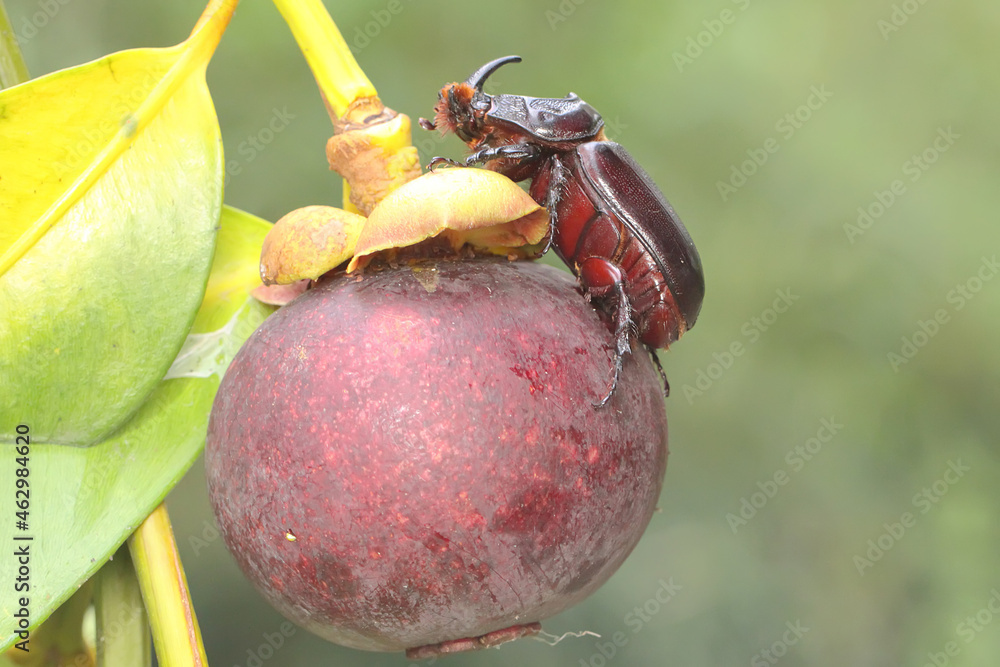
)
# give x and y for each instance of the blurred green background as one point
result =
(837, 161)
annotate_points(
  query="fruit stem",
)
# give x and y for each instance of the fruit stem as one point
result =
(122, 625)
(176, 635)
(340, 78)
(13, 69)
(371, 147)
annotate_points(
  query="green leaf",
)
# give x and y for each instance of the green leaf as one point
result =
(110, 194)
(86, 501)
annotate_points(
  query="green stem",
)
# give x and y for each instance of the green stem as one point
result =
(122, 626)
(12, 68)
(340, 78)
(176, 635)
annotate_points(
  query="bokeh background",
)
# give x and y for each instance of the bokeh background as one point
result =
(836, 161)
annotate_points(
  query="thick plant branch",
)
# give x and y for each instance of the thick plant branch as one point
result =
(176, 635)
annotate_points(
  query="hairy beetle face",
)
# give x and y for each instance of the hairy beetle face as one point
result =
(461, 109)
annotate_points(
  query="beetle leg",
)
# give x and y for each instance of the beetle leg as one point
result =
(622, 319)
(601, 278)
(557, 185)
(659, 367)
(507, 151)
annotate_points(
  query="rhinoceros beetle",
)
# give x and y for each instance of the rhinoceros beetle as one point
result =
(610, 223)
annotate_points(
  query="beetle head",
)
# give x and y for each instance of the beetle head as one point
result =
(462, 107)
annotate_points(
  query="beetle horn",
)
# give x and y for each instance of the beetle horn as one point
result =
(479, 77)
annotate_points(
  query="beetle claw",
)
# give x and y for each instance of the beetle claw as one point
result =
(438, 161)
(659, 367)
(614, 382)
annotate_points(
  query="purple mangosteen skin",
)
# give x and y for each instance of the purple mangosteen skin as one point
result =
(414, 456)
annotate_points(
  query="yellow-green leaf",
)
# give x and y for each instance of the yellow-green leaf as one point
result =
(86, 501)
(110, 193)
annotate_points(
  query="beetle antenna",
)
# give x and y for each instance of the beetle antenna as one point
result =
(479, 77)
